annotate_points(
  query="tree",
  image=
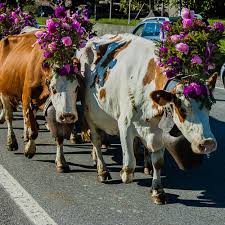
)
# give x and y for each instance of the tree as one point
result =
(135, 5)
(15, 3)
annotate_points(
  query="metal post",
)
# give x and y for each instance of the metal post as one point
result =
(110, 9)
(180, 6)
(129, 11)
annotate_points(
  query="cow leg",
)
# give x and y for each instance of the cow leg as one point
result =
(2, 113)
(157, 192)
(103, 173)
(129, 160)
(25, 132)
(94, 157)
(12, 144)
(73, 137)
(147, 162)
(60, 161)
(31, 126)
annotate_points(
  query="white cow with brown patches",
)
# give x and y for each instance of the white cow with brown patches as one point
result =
(130, 103)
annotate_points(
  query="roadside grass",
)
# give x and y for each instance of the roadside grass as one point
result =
(116, 21)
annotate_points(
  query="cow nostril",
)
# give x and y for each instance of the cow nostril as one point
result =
(69, 116)
(61, 117)
(207, 145)
(72, 117)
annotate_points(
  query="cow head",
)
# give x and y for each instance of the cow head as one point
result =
(63, 94)
(190, 117)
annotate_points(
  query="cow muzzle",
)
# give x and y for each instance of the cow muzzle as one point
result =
(67, 118)
(205, 147)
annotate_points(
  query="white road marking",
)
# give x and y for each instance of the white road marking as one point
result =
(24, 200)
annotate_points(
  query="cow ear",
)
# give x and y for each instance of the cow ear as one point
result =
(211, 82)
(162, 97)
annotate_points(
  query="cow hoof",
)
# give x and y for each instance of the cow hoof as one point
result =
(63, 169)
(30, 149)
(158, 198)
(12, 144)
(12, 147)
(104, 176)
(73, 141)
(148, 171)
(126, 176)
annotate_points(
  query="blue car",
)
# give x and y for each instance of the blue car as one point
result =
(149, 28)
(222, 74)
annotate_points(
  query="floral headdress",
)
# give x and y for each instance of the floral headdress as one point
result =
(13, 21)
(64, 35)
(188, 51)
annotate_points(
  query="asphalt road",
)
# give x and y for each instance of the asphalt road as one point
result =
(196, 197)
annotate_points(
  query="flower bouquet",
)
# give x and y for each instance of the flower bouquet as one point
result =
(188, 51)
(64, 35)
(13, 21)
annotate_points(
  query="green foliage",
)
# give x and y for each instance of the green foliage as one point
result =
(13, 3)
(135, 5)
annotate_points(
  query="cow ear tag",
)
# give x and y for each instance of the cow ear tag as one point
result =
(166, 123)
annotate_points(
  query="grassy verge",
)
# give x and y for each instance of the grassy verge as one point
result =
(41, 21)
(116, 21)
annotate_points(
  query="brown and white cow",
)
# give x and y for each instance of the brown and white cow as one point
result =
(23, 77)
(124, 96)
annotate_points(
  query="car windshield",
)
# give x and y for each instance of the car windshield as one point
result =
(151, 29)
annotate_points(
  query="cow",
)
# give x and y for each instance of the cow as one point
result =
(24, 77)
(125, 96)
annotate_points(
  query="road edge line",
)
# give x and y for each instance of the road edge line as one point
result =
(33, 211)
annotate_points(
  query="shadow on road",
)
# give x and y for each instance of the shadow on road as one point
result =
(208, 178)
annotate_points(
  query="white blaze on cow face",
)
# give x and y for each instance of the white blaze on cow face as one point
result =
(63, 97)
(190, 118)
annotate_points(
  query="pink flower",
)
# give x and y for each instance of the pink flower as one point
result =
(82, 44)
(76, 25)
(187, 23)
(51, 25)
(13, 14)
(67, 41)
(166, 26)
(211, 66)
(181, 47)
(196, 59)
(66, 26)
(67, 67)
(187, 14)
(16, 20)
(38, 34)
(52, 46)
(218, 26)
(175, 38)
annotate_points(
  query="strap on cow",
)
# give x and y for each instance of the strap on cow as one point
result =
(46, 106)
(171, 84)
(103, 65)
(166, 122)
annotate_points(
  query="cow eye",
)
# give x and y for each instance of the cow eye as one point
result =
(54, 90)
(183, 110)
